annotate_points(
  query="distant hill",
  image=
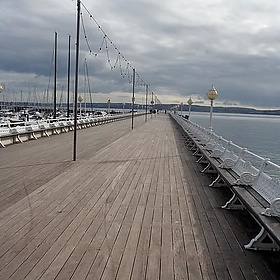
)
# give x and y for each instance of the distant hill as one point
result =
(236, 110)
(195, 108)
(218, 109)
(119, 106)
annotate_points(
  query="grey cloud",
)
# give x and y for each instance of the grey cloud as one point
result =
(177, 48)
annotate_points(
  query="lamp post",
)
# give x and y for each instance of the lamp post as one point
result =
(76, 78)
(190, 102)
(212, 95)
(152, 103)
(109, 102)
(146, 102)
(181, 105)
(1, 89)
(80, 99)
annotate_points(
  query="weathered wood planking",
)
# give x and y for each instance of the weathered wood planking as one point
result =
(134, 206)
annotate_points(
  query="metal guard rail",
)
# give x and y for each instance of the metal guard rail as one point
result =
(246, 174)
(21, 132)
(253, 170)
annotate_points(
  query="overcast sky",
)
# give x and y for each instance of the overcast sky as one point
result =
(179, 48)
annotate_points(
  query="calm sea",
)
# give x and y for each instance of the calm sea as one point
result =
(258, 133)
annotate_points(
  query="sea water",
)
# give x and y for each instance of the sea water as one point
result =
(258, 133)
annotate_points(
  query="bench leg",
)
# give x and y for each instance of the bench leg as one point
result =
(196, 153)
(262, 241)
(209, 169)
(192, 147)
(234, 204)
(46, 133)
(200, 159)
(189, 142)
(218, 182)
(19, 139)
(186, 137)
(34, 136)
(1, 144)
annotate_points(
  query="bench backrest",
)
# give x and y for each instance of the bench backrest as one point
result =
(242, 166)
(228, 155)
(267, 187)
(212, 143)
(29, 128)
(218, 151)
(14, 131)
(42, 126)
(53, 125)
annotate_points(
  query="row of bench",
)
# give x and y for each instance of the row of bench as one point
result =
(20, 134)
(245, 174)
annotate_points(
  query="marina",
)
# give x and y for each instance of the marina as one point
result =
(134, 205)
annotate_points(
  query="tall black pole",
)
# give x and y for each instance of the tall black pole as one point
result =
(68, 76)
(152, 102)
(76, 79)
(133, 99)
(55, 75)
(147, 90)
(155, 104)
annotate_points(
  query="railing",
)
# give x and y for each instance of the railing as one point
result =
(218, 145)
(22, 131)
(250, 169)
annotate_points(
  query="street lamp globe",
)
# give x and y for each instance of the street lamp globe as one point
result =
(190, 102)
(212, 93)
(80, 98)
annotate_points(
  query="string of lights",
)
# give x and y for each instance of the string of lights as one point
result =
(115, 60)
(113, 63)
(114, 57)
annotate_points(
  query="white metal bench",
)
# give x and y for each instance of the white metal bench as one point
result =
(253, 189)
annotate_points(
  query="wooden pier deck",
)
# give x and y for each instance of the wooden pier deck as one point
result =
(133, 206)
